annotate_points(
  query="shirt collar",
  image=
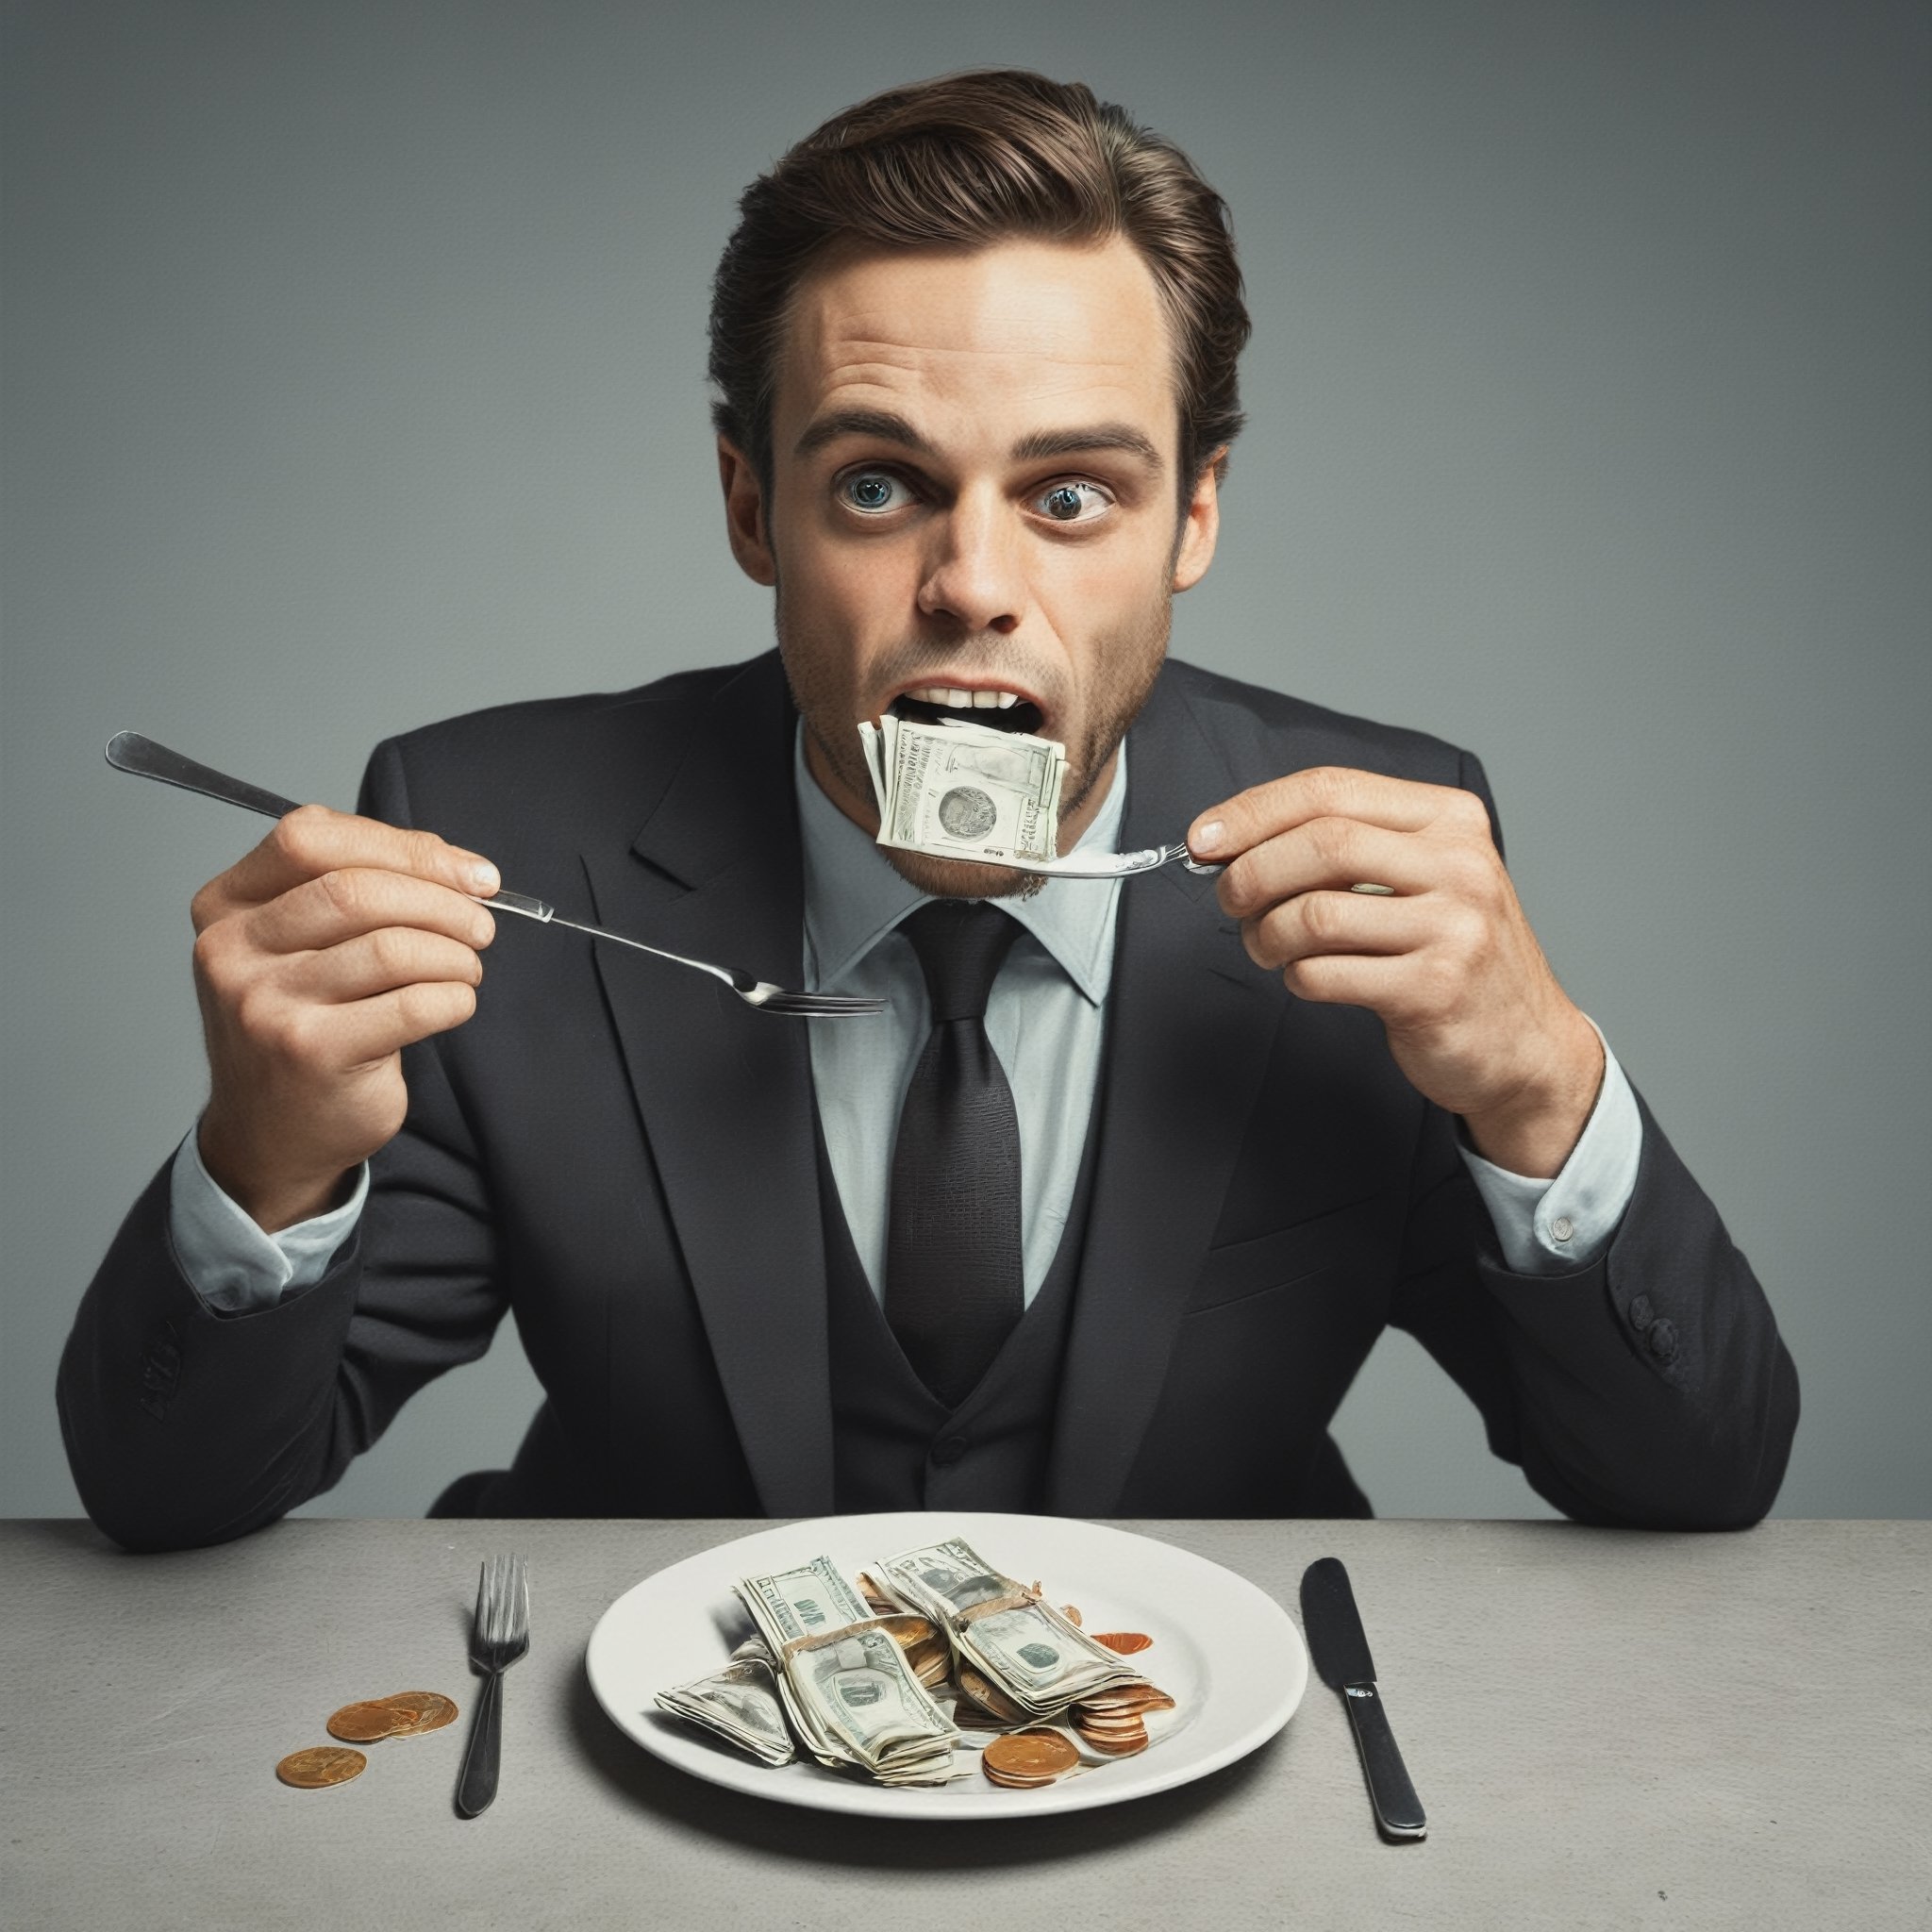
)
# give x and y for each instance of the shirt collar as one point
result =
(853, 897)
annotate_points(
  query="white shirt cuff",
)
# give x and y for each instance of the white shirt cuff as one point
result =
(1554, 1226)
(230, 1262)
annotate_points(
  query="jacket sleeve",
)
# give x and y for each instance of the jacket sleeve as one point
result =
(1649, 1389)
(185, 1426)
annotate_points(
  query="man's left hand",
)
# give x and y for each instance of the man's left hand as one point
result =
(1475, 1017)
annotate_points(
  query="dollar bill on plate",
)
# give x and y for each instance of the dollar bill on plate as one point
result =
(844, 1681)
(739, 1704)
(959, 790)
(1023, 1646)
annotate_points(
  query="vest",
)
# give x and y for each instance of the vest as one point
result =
(895, 1445)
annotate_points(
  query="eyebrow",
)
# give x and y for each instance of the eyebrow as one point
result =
(883, 425)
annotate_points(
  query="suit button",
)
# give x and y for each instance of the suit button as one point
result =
(949, 1449)
(1641, 1313)
(1663, 1339)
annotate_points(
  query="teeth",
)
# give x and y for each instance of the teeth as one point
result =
(955, 699)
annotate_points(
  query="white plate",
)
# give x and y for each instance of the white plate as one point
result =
(1225, 1650)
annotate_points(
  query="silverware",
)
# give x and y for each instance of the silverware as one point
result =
(1125, 865)
(1110, 865)
(129, 751)
(1340, 1647)
(499, 1636)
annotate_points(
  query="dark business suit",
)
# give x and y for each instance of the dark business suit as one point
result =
(622, 1155)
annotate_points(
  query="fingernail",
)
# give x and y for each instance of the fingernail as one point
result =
(481, 879)
(1207, 838)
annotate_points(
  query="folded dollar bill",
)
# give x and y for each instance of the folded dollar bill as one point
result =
(1011, 1637)
(959, 790)
(846, 1685)
(740, 1705)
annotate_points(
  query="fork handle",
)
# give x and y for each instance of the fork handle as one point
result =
(476, 1781)
(129, 751)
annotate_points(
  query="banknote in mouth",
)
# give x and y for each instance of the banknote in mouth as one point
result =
(952, 786)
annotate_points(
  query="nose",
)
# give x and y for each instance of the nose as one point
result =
(975, 575)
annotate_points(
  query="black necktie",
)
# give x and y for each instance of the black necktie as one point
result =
(954, 1286)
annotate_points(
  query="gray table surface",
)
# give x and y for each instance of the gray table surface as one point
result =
(1608, 1729)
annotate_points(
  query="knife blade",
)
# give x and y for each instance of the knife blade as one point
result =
(1340, 1647)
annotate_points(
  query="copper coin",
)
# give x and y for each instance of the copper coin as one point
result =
(1118, 1747)
(430, 1710)
(1126, 1641)
(1030, 1755)
(370, 1722)
(323, 1764)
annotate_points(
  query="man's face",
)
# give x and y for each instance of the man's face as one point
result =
(974, 491)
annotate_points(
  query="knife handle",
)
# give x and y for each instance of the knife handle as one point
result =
(1398, 1810)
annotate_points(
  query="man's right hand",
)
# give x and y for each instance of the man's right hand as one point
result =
(318, 957)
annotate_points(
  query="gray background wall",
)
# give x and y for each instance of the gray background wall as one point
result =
(353, 376)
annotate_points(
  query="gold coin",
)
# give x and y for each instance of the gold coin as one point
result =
(429, 1711)
(323, 1764)
(1030, 1755)
(370, 1722)
(1126, 1641)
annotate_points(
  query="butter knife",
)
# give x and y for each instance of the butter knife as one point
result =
(1340, 1647)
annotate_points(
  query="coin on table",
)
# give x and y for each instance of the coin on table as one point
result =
(428, 1710)
(323, 1764)
(369, 1721)
(1028, 1759)
(1125, 1641)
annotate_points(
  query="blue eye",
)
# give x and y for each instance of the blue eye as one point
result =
(872, 490)
(1073, 502)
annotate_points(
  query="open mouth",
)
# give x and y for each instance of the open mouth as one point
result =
(996, 711)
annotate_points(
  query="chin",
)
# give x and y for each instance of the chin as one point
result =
(960, 878)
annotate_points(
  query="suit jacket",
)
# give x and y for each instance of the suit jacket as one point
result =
(620, 1154)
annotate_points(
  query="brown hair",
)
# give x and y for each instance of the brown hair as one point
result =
(963, 161)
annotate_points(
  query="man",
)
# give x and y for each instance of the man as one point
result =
(1109, 1230)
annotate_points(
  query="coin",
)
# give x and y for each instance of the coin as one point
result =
(323, 1764)
(430, 1710)
(1024, 1759)
(1126, 1641)
(370, 1720)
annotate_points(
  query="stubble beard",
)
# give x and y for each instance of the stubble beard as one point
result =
(1130, 661)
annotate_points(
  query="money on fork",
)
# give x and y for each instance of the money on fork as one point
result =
(960, 790)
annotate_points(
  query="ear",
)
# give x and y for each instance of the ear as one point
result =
(745, 524)
(1200, 527)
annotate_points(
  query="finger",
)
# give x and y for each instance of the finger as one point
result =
(334, 1040)
(1411, 989)
(1401, 805)
(1314, 924)
(337, 906)
(1327, 855)
(378, 962)
(314, 840)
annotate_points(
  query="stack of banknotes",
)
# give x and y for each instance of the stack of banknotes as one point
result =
(863, 1677)
(960, 790)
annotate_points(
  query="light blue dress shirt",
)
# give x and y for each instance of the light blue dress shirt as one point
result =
(1044, 1021)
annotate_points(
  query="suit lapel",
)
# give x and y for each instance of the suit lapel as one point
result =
(726, 1092)
(1189, 1022)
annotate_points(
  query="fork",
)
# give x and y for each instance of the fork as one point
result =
(1112, 865)
(129, 751)
(499, 1636)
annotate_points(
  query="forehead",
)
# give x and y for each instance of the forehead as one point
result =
(1018, 336)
